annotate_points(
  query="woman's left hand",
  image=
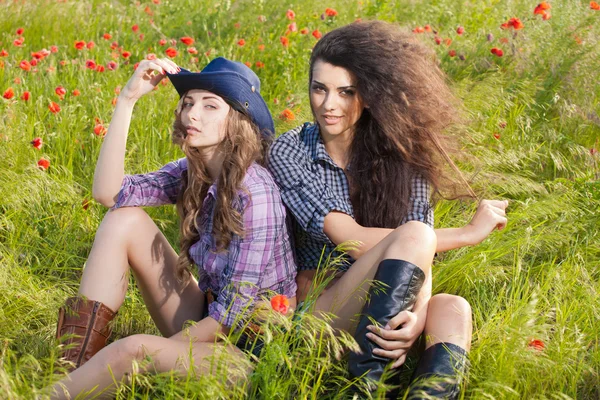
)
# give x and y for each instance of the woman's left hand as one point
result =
(395, 343)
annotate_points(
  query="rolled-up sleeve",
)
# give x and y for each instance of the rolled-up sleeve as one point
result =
(152, 189)
(303, 191)
(420, 208)
(250, 255)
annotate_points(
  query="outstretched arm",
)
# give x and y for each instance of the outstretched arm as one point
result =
(490, 215)
(110, 165)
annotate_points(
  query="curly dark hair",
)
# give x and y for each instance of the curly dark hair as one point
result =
(398, 137)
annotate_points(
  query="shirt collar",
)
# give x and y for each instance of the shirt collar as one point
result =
(317, 147)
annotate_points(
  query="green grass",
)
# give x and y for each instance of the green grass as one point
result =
(539, 278)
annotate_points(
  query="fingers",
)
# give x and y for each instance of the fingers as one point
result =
(392, 355)
(404, 317)
(502, 204)
(399, 361)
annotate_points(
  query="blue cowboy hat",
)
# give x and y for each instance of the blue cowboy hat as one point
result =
(233, 81)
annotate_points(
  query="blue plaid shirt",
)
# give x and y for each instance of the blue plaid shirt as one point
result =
(312, 186)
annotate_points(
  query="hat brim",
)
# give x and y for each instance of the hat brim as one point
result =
(231, 86)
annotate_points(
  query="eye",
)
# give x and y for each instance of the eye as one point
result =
(348, 92)
(318, 89)
(210, 107)
(187, 104)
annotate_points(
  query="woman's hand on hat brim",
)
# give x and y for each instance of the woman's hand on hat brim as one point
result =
(145, 78)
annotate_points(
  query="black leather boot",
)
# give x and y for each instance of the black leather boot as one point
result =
(403, 282)
(439, 373)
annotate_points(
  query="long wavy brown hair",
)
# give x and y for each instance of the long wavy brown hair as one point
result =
(242, 145)
(399, 136)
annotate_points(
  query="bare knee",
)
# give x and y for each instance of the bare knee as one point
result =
(123, 221)
(414, 241)
(123, 352)
(448, 304)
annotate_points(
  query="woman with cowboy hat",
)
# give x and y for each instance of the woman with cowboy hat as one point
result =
(232, 228)
(365, 171)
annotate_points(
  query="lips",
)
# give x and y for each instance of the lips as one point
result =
(191, 130)
(331, 119)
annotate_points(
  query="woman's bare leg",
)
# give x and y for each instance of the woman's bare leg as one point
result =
(414, 242)
(448, 321)
(112, 363)
(128, 237)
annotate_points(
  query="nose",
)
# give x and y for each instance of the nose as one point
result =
(329, 103)
(194, 113)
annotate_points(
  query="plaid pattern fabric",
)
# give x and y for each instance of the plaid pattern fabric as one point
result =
(312, 186)
(253, 265)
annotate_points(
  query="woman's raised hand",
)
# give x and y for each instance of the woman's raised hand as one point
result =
(145, 78)
(490, 215)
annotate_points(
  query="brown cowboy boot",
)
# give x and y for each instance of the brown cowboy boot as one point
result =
(88, 323)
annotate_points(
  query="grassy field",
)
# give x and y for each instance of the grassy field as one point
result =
(532, 135)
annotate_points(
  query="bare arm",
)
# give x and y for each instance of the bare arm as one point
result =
(490, 215)
(110, 168)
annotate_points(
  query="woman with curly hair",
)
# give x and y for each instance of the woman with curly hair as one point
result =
(366, 171)
(233, 228)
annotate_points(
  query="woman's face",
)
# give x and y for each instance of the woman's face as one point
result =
(334, 100)
(204, 114)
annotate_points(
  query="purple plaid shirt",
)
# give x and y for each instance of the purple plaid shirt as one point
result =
(254, 265)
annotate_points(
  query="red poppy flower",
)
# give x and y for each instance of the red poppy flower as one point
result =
(594, 5)
(37, 143)
(438, 40)
(20, 31)
(162, 42)
(60, 91)
(330, 12)
(188, 41)
(192, 50)
(452, 53)
(171, 52)
(418, 29)
(54, 108)
(427, 28)
(496, 136)
(90, 45)
(304, 31)
(37, 55)
(287, 115)
(515, 23)
(261, 47)
(107, 36)
(100, 68)
(237, 25)
(593, 151)
(25, 96)
(100, 130)
(536, 344)
(148, 10)
(135, 28)
(75, 92)
(293, 27)
(460, 30)
(9, 93)
(43, 164)
(53, 49)
(260, 64)
(126, 54)
(317, 34)
(284, 41)
(114, 45)
(17, 80)
(135, 66)
(248, 64)
(546, 16)
(541, 8)
(3, 53)
(156, 1)
(280, 303)
(241, 42)
(496, 51)
(33, 63)
(91, 64)
(447, 41)
(111, 65)
(19, 41)
(79, 44)
(290, 14)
